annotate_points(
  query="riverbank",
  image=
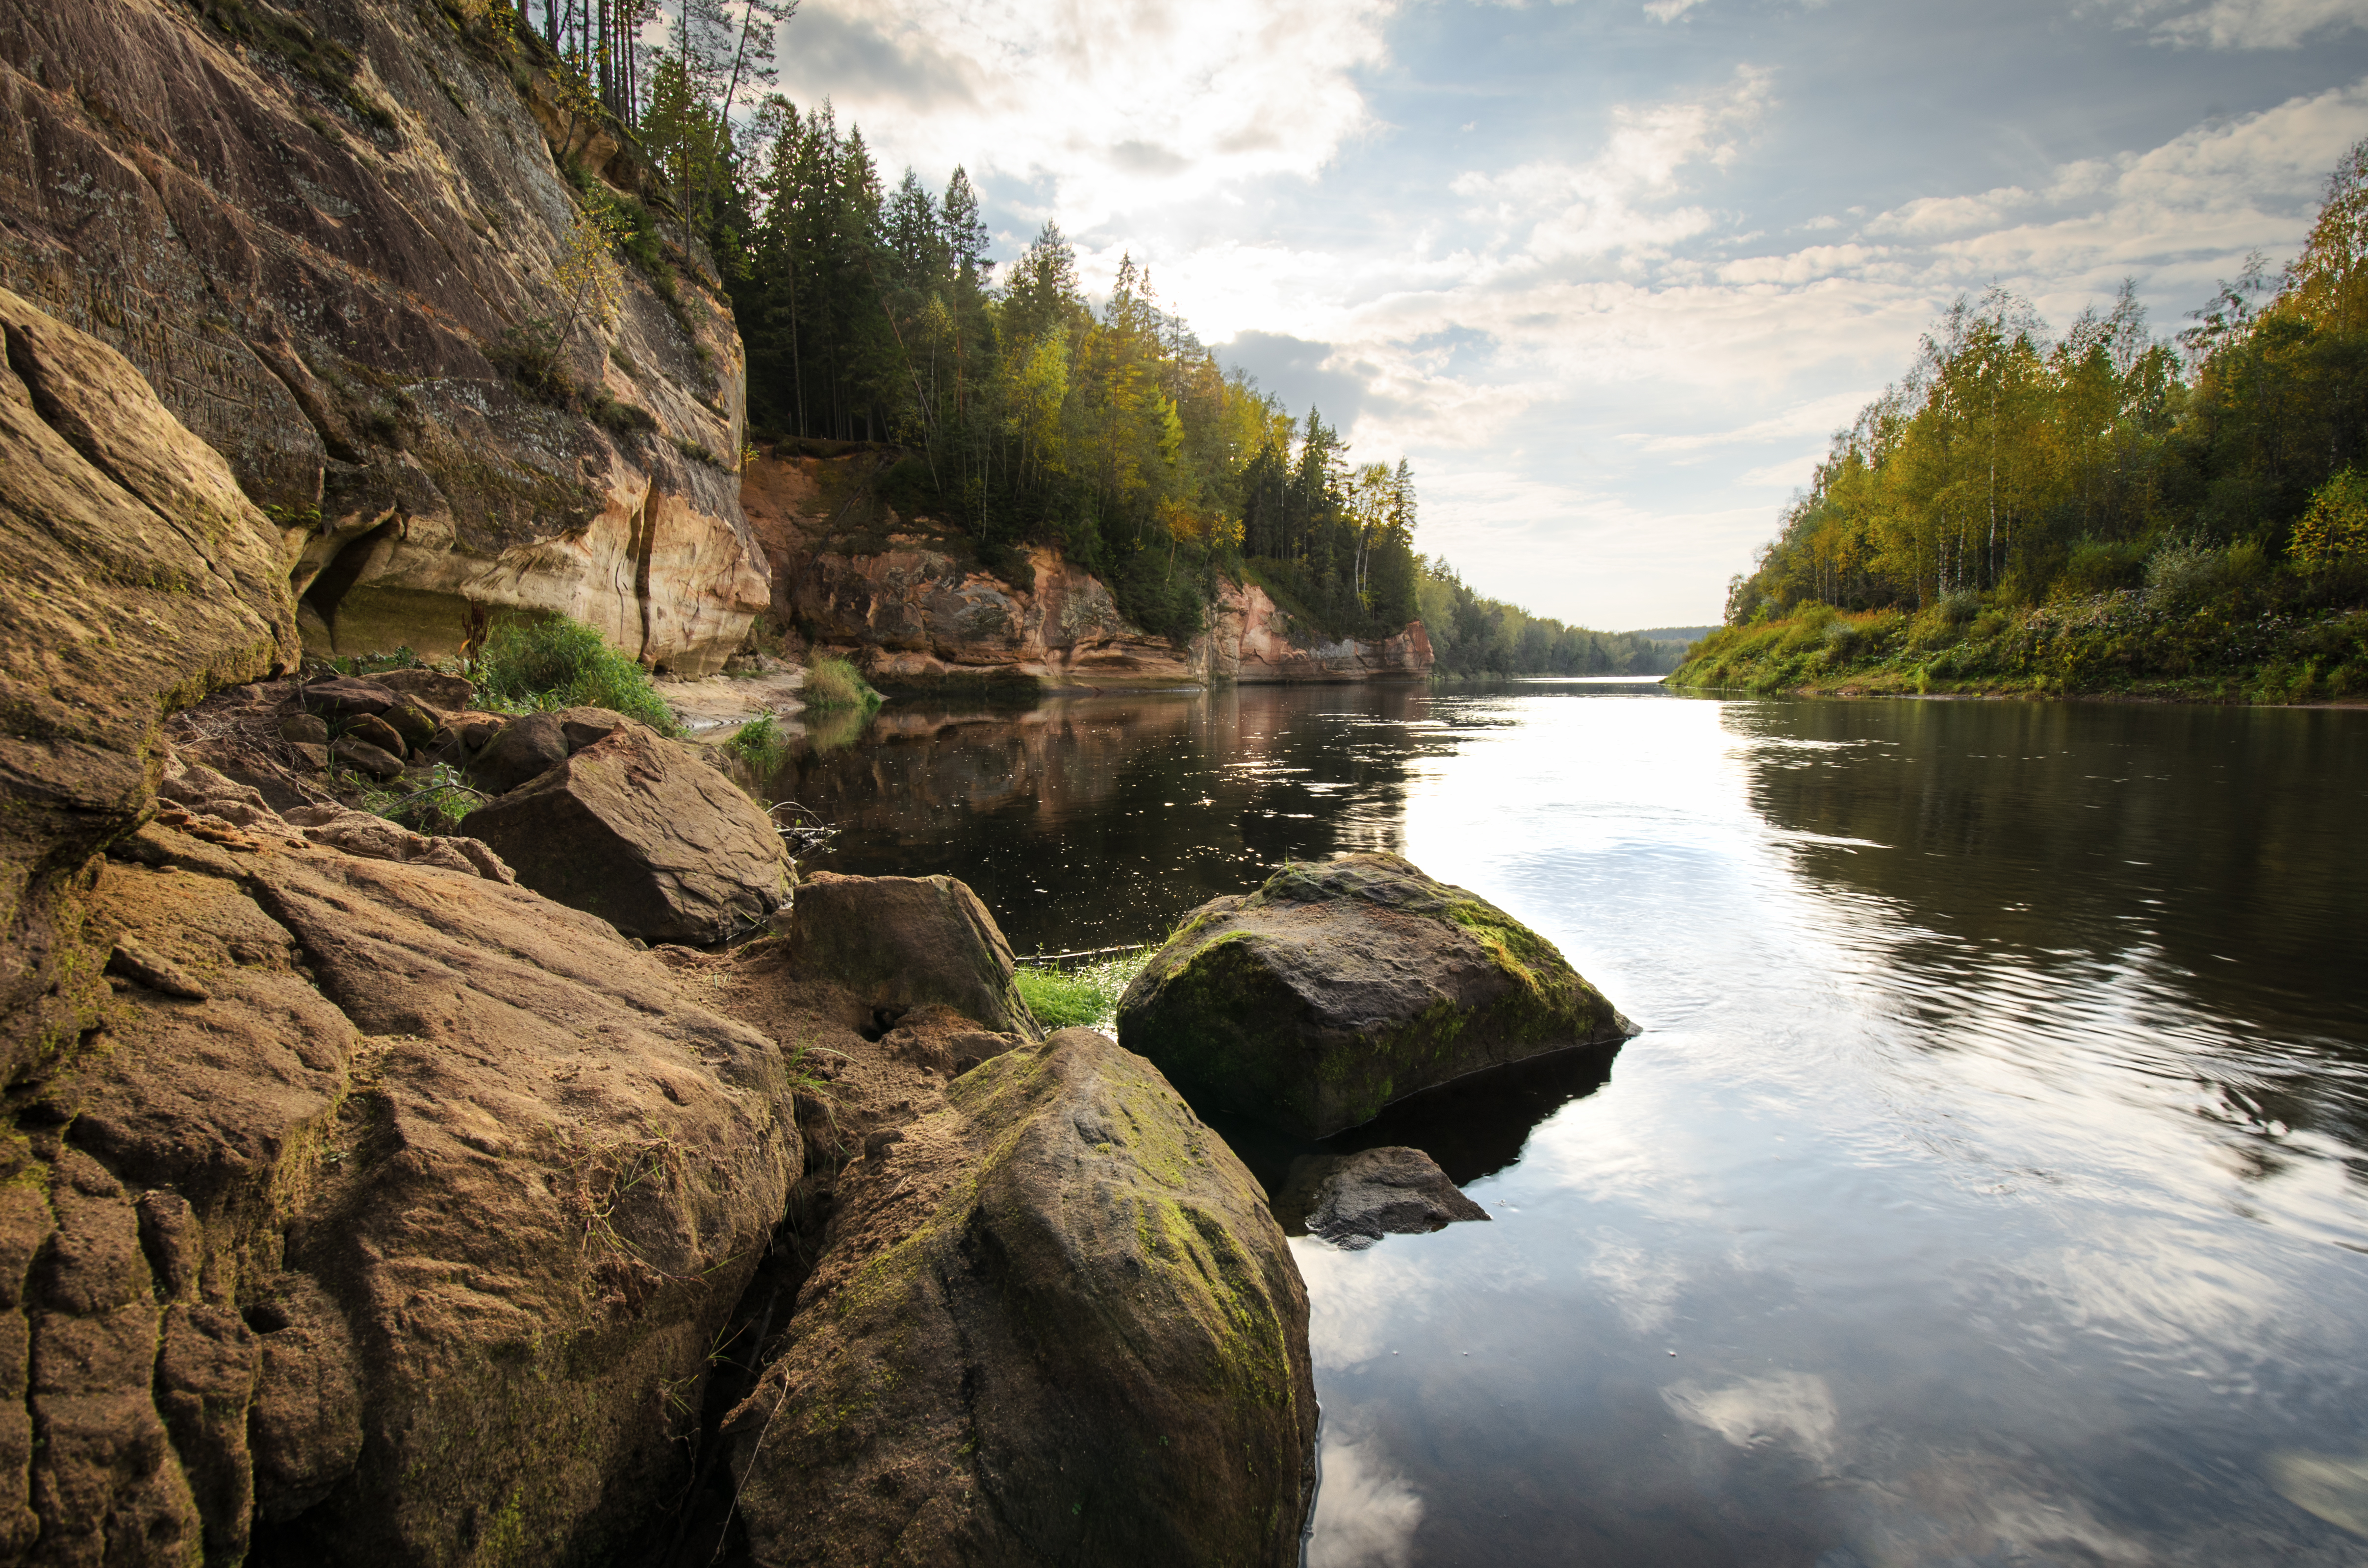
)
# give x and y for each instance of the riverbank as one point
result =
(2124, 644)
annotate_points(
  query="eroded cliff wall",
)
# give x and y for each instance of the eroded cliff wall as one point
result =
(910, 604)
(311, 228)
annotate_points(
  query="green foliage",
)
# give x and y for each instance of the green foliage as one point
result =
(2214, 632)
(556, 661)
(435, 808)
(2335, 529)
(1025, 415)
(1472, 636)
(1083, 998)
(833, 683)
(761, 743)
(532, 356)
(2011, 469)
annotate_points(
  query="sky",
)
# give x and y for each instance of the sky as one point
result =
(1608, 275)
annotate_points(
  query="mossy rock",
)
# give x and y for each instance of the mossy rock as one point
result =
(1057, 1324)
(1339, 987)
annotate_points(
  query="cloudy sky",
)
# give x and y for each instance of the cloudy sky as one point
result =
(1610, 272)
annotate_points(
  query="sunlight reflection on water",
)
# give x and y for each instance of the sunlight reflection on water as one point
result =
(1993, 1160)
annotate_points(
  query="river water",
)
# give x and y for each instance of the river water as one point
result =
(1989, 1184)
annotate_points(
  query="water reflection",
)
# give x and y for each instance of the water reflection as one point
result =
(1091, 820)
(1986, 1187)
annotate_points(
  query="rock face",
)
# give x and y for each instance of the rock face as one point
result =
(1336, 988)
(137, 579)
(642, 832)
(1252, 642)
(916, 614)
(855, 579)
(316, 229)
(1056, 1324)
(378, 1229)
(1353, 1200)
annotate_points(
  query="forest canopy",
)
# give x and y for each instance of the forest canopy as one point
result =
(2016, 466)
(1025, 415)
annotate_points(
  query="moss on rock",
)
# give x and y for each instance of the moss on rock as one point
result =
(1086, 1344)
(1339, 987)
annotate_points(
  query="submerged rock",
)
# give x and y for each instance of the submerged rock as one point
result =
(1057, 1324)
(1339, 987)
(1353, 1200)
(642, 832)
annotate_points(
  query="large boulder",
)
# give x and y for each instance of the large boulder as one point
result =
(645, 832)
(880, 946)
(1057, 1324)
(1339, 987)
(389, 1217)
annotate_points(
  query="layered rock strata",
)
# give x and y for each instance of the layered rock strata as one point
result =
(326, 234)
(138, 579)
(375, 1220)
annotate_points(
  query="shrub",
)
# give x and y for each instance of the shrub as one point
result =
(2335, 529)
(832, 682)
(557, 662)
(1960, 605)
(532, 356)
(761, 743)
(2189, 572)
(2099, 566)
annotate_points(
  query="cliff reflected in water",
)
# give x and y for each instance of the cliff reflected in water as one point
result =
(1094, 821)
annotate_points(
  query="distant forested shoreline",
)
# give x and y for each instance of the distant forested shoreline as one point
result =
(2104, 510)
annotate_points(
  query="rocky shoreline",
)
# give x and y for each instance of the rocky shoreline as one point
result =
(580, 1185)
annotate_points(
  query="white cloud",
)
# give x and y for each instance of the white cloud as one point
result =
(1669, 10)
(1109, 108)
(2250, 24)
(1796, 1409)
(1365, 1511)
(1551, 211)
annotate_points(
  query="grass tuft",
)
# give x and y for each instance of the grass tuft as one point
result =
(1084, 998)
(761, 743)
(558, 661)
(832, 682)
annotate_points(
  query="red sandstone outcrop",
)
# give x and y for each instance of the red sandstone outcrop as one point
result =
(852, 578)
(311, 228)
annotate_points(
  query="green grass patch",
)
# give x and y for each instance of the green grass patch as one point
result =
(2221, 642)
(832, 682)
(761, 743)
(1083, 998)
(558, 661)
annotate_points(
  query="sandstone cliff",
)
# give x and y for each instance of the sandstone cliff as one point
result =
(908, 604)
(311, 229)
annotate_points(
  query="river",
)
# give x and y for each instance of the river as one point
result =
(1989, 1184)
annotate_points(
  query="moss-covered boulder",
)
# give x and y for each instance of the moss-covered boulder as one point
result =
(1054, 1322)
(1341, 987)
